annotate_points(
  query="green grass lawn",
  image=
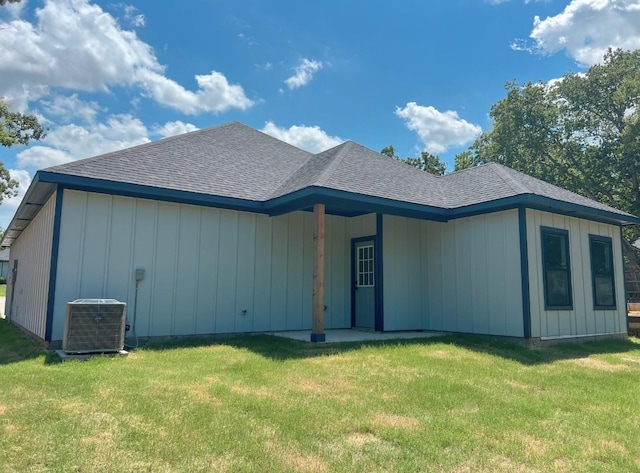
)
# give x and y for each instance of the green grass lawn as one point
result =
(461, 404)
(3, 290)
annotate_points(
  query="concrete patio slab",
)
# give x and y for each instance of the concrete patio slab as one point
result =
(354, 335)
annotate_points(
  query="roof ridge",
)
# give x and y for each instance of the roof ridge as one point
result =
(461, 171)
(516, 186)
(150, 142)
(337, 157)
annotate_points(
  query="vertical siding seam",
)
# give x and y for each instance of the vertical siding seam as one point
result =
(379, 275)
(253, 272)
(132, 242)
(154, 252)
(176, 263)
(196, 292)
(286, 269)
(83, 227)
(215, 305)
(234, 314)
(107, 251)
(270, 256)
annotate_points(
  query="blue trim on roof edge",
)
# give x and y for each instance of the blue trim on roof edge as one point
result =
(524, 270)
(53, 269)
(544, 204)
(344, 200)
(378, 277)
(148, 192)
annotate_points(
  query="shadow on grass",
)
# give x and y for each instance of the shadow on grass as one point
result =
(277, 348)
(15, 346)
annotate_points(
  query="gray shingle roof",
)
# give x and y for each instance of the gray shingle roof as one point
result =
(351, 167)
(234, 160)
(230, 160)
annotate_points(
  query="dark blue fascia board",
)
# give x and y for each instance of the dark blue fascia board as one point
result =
(524, 269)
(148, 192)
(53, 268)
(340, 202)
(352, 202)
(547, 204)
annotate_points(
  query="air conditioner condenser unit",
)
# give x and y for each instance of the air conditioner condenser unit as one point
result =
(94, 325)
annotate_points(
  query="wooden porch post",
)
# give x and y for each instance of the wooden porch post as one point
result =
(317, 334)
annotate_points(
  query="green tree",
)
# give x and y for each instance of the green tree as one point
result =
(581, 133)
(426, 161)
(464, 160)
(390, 151)
(4, 2)
(15, 129)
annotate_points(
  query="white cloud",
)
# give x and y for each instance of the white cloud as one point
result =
(174, 128)
(310, 138)
(14, 10)
(215, 94)
(587, 28)
(77, 45)
(132, 16)
(69, 107)
(438, 131)
(304, 72)
(70, 142)
(9, 205)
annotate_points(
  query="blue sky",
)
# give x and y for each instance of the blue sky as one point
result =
(419, 75)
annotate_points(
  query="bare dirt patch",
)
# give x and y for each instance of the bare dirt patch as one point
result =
(612, 445)
(201, 393)
(336, 387)
(533, 444)
(440, 354)
(297, 460)
(396, 421)
(11, 428)
(632, 360)
(2, 409)
(358, 439)
(518, 385)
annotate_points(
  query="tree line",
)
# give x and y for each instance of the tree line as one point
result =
(580, 132)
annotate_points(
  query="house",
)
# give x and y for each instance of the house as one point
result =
(232, 230)
(4, 262)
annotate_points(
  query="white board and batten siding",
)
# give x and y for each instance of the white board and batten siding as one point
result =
(583, 319)
(33, 252)
(459, 276)
(207, 270)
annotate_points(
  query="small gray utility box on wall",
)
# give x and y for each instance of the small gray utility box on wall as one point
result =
(94, 325)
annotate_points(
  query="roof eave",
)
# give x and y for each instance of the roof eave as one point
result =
(537, 202)
(34, 199)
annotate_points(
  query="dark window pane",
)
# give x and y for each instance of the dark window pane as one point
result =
(602, 272)
(601, 259)
(558, 288)
(604, 291)
(555, 251)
